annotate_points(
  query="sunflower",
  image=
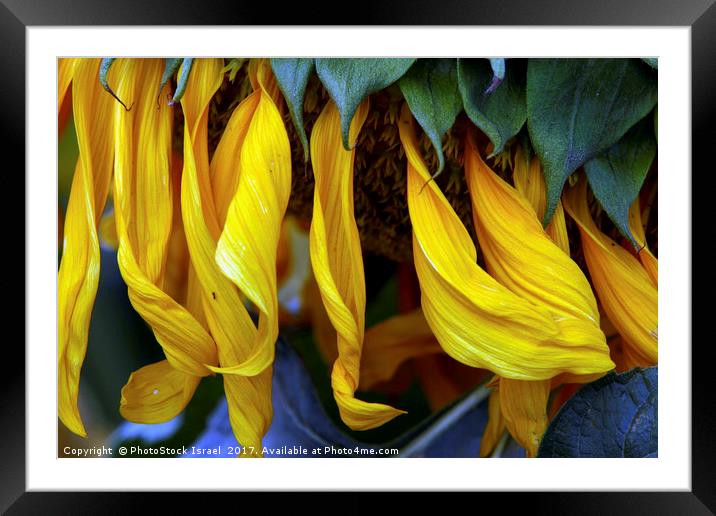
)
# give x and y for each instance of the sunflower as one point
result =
(244, 195)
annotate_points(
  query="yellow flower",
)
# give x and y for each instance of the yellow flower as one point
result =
(203, 242)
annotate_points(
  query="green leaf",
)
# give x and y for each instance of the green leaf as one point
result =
(104, 67)
(499, 114)
(617, 174)
(170, 68)
(292, 76)
(430, 88)
(182, 80)
(651, 61)
(577, 108)
(498, 74)
(616, 416)
(349, 81)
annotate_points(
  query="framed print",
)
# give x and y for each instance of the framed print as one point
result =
(435, 244)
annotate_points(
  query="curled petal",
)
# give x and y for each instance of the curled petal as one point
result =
(247, 248)
(249, 398)
(338, 263)
(389, 344)
(478, 321)
(156, 393)
(520, 255)
(625, 290)
(143, 212)
(79, 269)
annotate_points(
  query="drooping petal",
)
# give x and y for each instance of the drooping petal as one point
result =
(648, 260)
(478, 321)
(392, 342)
(522, 257)
(524, 407)
(495, 428)
(156, 393)
(338, 263)
(525, 258)
(143, 211)
(529, 181)
(247, 249)
(625, 290)
(79, 269)
(249, 398)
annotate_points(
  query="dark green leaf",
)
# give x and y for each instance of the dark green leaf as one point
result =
(349, 81)
(182, 80)
(292, 75)
(578, 108)
(617, 174)
(104, 67)
(616, 416)
(430, 88)
(651, 61)
(499, 114)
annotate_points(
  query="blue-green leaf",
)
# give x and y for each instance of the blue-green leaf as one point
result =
(430, 88)
(577, 108)
(498, 74)
(170, 67)
(104, 67)
(617, 174)
(651, 61)
(616, 416)
(182, 80)
(500, 113)
(350, 80)
(292, 76)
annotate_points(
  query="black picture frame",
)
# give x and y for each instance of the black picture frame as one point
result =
(700, 15)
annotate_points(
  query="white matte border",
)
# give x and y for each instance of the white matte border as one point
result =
(670, 471)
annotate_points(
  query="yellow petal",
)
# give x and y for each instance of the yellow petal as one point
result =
(79, 269)
(143, 211)
(522, 257)
(478, 321)
(524, 407)
(338, 263)
(391, 343)
(648, 260)
(249, 398)
(529, 181)
(156, 393)
(247, 249)
(625, 290)
(495, 428)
